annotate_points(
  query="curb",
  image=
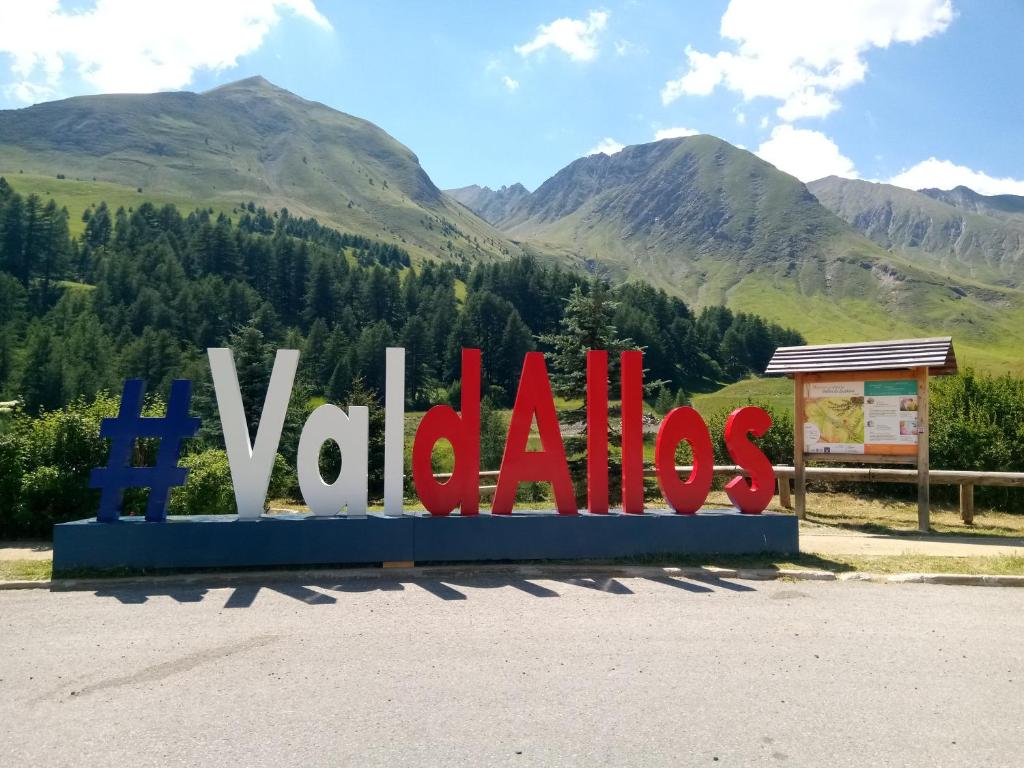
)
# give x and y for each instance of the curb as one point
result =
(220, 580)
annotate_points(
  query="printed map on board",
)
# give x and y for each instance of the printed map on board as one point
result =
(838, 419)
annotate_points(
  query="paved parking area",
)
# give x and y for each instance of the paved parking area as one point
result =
(505, 671)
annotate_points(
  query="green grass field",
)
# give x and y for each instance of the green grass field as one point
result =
(776, 392)
(79, 194)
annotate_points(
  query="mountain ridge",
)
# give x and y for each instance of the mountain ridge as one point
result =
(491, 205)
(957, 239)
(250, 140)
(696, 216)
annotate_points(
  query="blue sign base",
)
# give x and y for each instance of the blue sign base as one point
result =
(221, 541)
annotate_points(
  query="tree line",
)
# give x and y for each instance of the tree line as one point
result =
(143, 292)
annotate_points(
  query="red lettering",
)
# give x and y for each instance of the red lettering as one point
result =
(749, 499)
(463, 432)
(518, 465)
(632, 393)
(597, 431)
(684, 424)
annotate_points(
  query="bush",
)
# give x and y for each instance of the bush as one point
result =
(777, 443)
(46, 462)
(977, 423)
(208, 489)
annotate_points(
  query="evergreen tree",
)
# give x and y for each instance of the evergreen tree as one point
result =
(98, 226)
(664, 401)
(587, 323)
(319, 301)
(40, 384)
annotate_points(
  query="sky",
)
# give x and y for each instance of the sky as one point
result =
(919, 93)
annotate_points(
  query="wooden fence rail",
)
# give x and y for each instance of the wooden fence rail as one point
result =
(784, 474)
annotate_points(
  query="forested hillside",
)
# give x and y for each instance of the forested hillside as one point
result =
(144, 292)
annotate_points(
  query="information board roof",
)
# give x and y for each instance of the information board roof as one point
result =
(937, 354)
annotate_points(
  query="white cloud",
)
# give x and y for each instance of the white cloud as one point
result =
(606, 146)
(512, 85)
(943, 174)
(764, 123)
(133, 45)
(575, 37)
(674, 133)
(741, 118)
(806, 154)
(804, 52)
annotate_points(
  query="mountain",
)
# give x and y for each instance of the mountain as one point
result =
(704, 220)
(248, 140)
(716, 224)
(952, 231)
(490, 204)
(990, 205)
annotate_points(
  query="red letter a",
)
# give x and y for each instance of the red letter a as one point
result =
(463, 432)
(519, 465)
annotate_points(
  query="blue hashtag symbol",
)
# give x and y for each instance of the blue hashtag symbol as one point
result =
(128, 426)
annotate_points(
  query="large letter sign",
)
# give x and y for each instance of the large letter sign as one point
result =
(352, 434)
(754, 498)
(519, 465)
(252, 461)
(684, 424)
(462, 490)
(341, 529)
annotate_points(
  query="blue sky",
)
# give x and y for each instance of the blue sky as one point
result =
(920, 92)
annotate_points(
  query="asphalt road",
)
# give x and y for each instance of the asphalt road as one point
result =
(500, 671)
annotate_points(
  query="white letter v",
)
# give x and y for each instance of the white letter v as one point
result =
(250, 464)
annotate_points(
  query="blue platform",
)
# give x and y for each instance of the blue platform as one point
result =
(219, 541)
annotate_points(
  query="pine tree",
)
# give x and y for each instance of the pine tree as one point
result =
(40, 384)
(587, 323)
(320, 302)
(418, 358)
(516, 341)
(664, 401)
(98, 226)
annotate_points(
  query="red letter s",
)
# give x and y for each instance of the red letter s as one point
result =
(752, 499)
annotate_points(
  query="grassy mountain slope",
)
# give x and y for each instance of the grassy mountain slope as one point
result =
(248, 140)
(952, 239)
(713, 223)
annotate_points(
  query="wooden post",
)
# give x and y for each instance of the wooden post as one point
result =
(922, 449)
(784, 498)
(967, 503)
(799, 479)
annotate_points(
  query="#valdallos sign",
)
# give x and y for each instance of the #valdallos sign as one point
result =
(339, 528)
(252, 461)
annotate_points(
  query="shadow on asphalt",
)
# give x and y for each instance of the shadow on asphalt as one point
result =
(327, 592)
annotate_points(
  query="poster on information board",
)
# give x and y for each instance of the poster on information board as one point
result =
(861, 417)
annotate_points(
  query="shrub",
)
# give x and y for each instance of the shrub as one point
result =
(777, 443)
(977, 423)
(46, 466)
(208, 490)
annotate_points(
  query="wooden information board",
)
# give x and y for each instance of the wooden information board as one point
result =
(863, 403)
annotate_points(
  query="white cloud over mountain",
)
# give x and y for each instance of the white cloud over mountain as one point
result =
(606, 146)
(133, 45)
(806, 154)
(804, 52)
(577, 38)
(943, 174)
